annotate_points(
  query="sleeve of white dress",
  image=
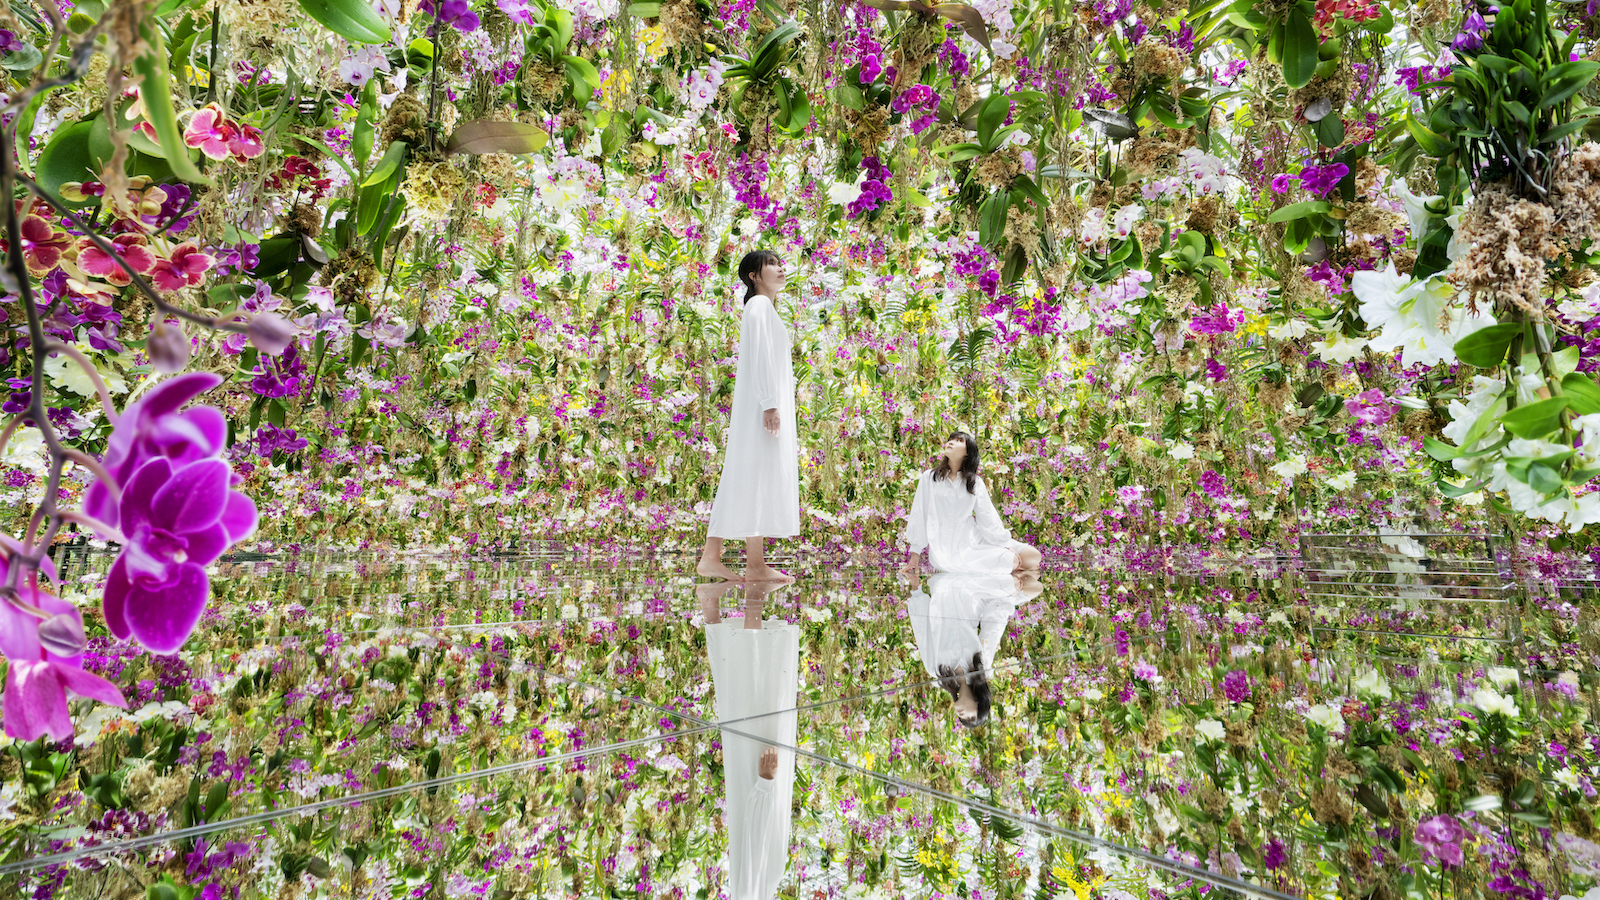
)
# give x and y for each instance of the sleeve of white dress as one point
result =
(990, 528)
(759, 344)
(916, 536)
(761, 871)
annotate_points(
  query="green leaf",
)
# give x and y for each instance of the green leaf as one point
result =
(366, 124)
(1299, 210)
(156, 92)
(583, 76)
(1432, 143)
(1299, 50)
(67, 158)
(1564, 80)
(1582, 394)
(991, 115)
(386, 166)
(992, 218)
(1535, 419)
(1329, 130)
(647, 10)
(1486, 347)
(1439, 450)
(1543, 479)
(490, 136)
(353, 20)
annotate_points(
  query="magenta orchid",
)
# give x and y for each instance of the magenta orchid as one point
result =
(185, 267)
(177, 520)
(152, 427)
(41, 669)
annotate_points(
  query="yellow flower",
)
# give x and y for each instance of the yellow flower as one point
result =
(654, 41)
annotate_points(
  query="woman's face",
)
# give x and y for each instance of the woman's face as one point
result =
(966, 706)
(772, 277)
(954, 450)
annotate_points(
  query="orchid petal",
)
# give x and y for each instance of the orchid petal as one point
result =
(239, 516)
(141, 490)
(115, 603)
(163, 618)
(193, 499)
(35, 703)
(90, 685)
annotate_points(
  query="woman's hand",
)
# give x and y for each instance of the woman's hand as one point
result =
(769, 763)
(913, 566)
(772, 420)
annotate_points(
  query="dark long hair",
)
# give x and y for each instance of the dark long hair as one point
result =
(751, 265)
(969, 465)
(950, 678)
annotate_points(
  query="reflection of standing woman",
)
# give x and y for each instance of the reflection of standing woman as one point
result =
(759, 495)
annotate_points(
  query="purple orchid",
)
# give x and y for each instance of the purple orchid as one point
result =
(456, 14)
(153, 427)
(177, 520)
(44, 660)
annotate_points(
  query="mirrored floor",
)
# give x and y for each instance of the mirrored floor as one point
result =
(545, 725)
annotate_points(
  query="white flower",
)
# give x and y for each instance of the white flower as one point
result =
(1490, 700)
(1338, 348)
(1326, 716)
(1343, 481)
(26, 449)
(1567, 778)
(1122, 223)
(1471, 498)
(1503, 676)
(1373, 684)
(1418, 318)
(1277, 618)
(66, 373)
(1415, 206)
(1290, 330)
(1210, 729)
(1289, 468)
(1584, 307)
(843, 193)
(1181, 450)
(1094, 694)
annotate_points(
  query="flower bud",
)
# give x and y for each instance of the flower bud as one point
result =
(62, 634)
(168, 347)
(270, 333)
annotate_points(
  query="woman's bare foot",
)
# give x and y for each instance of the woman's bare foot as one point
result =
(763, 572)
(715, 569)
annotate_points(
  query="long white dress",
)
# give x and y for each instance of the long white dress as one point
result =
(960, 615)
(759, 494)
(755, 676)
(962, 531)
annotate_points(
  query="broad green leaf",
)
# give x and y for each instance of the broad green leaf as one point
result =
(1486, 347)
(1439, 450)
(490, 136)
(1535, 419)
(1299, 210)
(366, 125)
(1583, 395)
(353, 20)
(1299, 50)
(991, 115)
(1431, 142)
(992, 217)
(390, 161)
(67, 158)
(1543, 479)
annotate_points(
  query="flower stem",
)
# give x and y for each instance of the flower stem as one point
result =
(89, 369)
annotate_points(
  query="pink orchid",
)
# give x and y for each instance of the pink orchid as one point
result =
(185, 268)
(247, 143)
(210, 132)
(132, 249)
(42, 244)
(37, 677)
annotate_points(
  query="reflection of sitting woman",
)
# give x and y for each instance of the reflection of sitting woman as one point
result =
(958, 624)
(754, 671)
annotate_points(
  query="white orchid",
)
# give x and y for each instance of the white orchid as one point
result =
(1413, 316)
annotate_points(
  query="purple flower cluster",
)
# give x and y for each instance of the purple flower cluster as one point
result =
(1215, 370)
(1236, 686)
(954, 61)
(279, 376)
(1415, 78)
(1470, 38)
(748, 176)
(874, 190)
(1273, 856)
(1218, 320)
(1370, 407)
(1441, 837)
(1215, 486)
(917, 98)
(270, 439)
(455, 14)
(1319, 180)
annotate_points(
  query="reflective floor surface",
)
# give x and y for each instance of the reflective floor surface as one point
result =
(1410, 717)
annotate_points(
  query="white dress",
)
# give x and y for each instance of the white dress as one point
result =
(961, 615)
(755, 677)
(962, 531)
(759, 494)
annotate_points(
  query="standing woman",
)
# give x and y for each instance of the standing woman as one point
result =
(759, 494)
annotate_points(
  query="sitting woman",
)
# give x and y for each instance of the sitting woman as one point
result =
(953, 517)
